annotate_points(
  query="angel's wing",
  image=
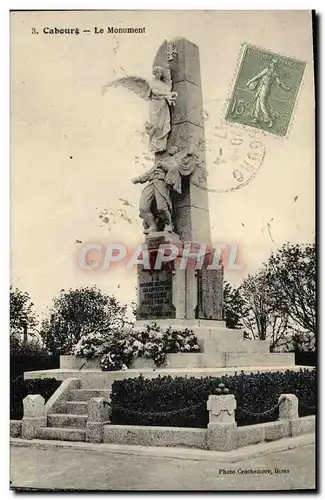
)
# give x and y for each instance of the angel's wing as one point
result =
(137, 84)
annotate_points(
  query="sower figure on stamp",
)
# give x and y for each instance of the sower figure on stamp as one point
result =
(262, 84)
(155, 204)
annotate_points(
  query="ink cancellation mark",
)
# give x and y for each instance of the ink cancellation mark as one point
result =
(239, 156)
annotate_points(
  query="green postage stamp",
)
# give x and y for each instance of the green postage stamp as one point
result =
(265, 90)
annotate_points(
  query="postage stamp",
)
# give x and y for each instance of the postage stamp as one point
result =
(265, 90)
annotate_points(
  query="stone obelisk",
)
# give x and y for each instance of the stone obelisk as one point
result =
(183, 295)
(191, 208)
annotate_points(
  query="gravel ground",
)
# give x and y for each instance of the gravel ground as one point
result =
(66, 469)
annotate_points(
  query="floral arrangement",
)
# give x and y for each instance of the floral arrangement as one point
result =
(89, 346)
(150, 342)
(118, 355)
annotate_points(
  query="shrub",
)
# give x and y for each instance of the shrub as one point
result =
(27, 356)
(181, 402)
(20, 388)
(24, 363)
(79, 312)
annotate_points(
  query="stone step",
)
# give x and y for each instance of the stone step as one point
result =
(228, 359)
(259, 359)
(185, 360)
(86, 394)
(218, 334)
(67, 420)
(235, 345)
(72, 407)
(59, 434)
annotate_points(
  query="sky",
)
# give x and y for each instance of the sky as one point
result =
(74, 149)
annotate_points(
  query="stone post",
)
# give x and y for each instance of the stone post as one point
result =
(98, 415)
(34, 416)
(288, 407)
(222, 427)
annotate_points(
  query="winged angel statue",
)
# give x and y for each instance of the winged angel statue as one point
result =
(159, 93)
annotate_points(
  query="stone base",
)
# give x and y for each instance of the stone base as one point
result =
(181, 324)
(145, 363)
(31, 426)
(221, 347)
(96, 379)
(94, 432)
(251, 356)
(222, 437)
(155, 436)
(74, 362)
(15, 428)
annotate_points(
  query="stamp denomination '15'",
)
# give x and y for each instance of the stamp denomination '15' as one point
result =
(265, 90)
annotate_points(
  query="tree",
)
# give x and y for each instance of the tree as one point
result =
(292, 274)
(232, 305)
(78, 312)
(258, 313)
(23, 319)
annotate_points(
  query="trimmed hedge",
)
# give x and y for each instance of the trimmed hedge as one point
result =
(20, 388)
(181, 402)
(24, 362)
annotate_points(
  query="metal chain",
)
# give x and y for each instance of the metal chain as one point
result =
(313, 408)
(259, 414)
(242, 411)
(160, 413)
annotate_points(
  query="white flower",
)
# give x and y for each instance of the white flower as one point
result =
(138, 344)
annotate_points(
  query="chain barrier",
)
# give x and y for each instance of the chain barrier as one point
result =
(242, 411)
(160, 413)
(265, 413)
(313, 408)
(188, 408)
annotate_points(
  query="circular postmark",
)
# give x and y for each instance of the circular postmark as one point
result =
(233, 159)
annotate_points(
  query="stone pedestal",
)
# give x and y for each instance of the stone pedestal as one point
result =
(98, 416)
(157, 288)
(288, 407)
(175, 288)
(34, 416)
(222, 427)
(222, 437)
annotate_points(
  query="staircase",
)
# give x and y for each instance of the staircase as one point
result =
(67, 419)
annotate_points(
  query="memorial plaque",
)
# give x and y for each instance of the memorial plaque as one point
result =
(209, 287)
(155, 294)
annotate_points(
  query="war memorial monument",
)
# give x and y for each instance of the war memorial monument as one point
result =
(174, 209)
